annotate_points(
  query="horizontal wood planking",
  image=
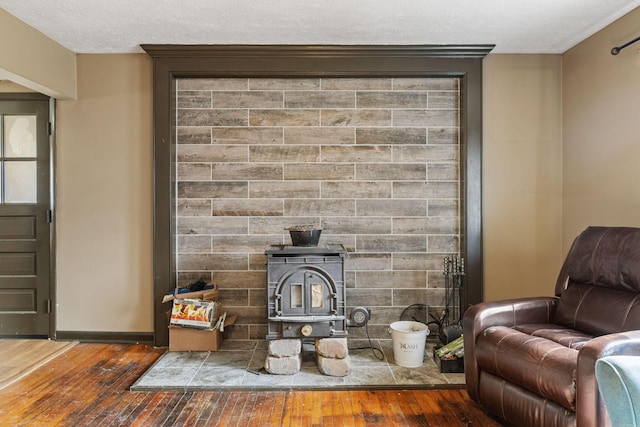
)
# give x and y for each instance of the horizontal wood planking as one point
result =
(373, 161)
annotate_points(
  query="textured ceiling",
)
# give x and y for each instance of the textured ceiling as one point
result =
(120, 26)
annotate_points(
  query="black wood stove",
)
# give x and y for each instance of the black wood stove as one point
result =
(306, 291)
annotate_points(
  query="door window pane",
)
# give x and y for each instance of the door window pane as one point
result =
(317, 299)
(20, 180)
(19, 136)
(296, 295)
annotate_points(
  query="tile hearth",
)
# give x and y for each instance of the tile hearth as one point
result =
(238, 365)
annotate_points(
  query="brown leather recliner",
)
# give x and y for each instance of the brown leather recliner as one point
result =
(531, 361)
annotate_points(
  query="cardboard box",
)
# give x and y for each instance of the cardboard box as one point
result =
(189, 339)
(194, 313)
(207, 294)
(454, 365)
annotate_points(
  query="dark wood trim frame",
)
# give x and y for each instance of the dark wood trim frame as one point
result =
(176, 61)
(53, 236)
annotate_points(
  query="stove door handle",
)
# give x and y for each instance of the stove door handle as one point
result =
(278, 304)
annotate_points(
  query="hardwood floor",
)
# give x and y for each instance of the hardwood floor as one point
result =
(88, 385)
(19, 357)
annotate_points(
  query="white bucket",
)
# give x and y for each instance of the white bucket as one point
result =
(408, 339)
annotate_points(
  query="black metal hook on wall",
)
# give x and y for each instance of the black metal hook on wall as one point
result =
(616, 50)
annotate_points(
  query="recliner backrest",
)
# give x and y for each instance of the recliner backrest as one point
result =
(599, 283)
(603, 256)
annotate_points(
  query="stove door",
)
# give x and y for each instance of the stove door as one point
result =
(308, 292)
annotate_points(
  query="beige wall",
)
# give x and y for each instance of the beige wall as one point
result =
(104, 173)
(105, 197)
(601, 137)
(522, 175)
(7, 86)
(105, 147)
(33, 60)
(104, 184)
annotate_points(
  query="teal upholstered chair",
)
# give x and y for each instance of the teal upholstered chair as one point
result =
(619, 384)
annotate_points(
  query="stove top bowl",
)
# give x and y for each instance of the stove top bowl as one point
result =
(305, 238)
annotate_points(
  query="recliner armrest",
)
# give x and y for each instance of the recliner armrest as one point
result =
(587, 396)
(499, 313)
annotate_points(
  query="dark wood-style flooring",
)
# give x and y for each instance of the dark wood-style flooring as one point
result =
(89, 385)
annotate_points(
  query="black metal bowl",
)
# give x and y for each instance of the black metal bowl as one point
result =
(305, 237)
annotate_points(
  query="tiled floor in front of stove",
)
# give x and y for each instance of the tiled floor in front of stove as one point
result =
(239, 365)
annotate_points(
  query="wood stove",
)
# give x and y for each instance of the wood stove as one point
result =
(306, 291)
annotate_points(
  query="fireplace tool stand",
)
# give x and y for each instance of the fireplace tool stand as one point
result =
(448, 326)
(450, 322)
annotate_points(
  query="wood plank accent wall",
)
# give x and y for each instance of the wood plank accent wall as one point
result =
(174, 62)
(375, 162)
